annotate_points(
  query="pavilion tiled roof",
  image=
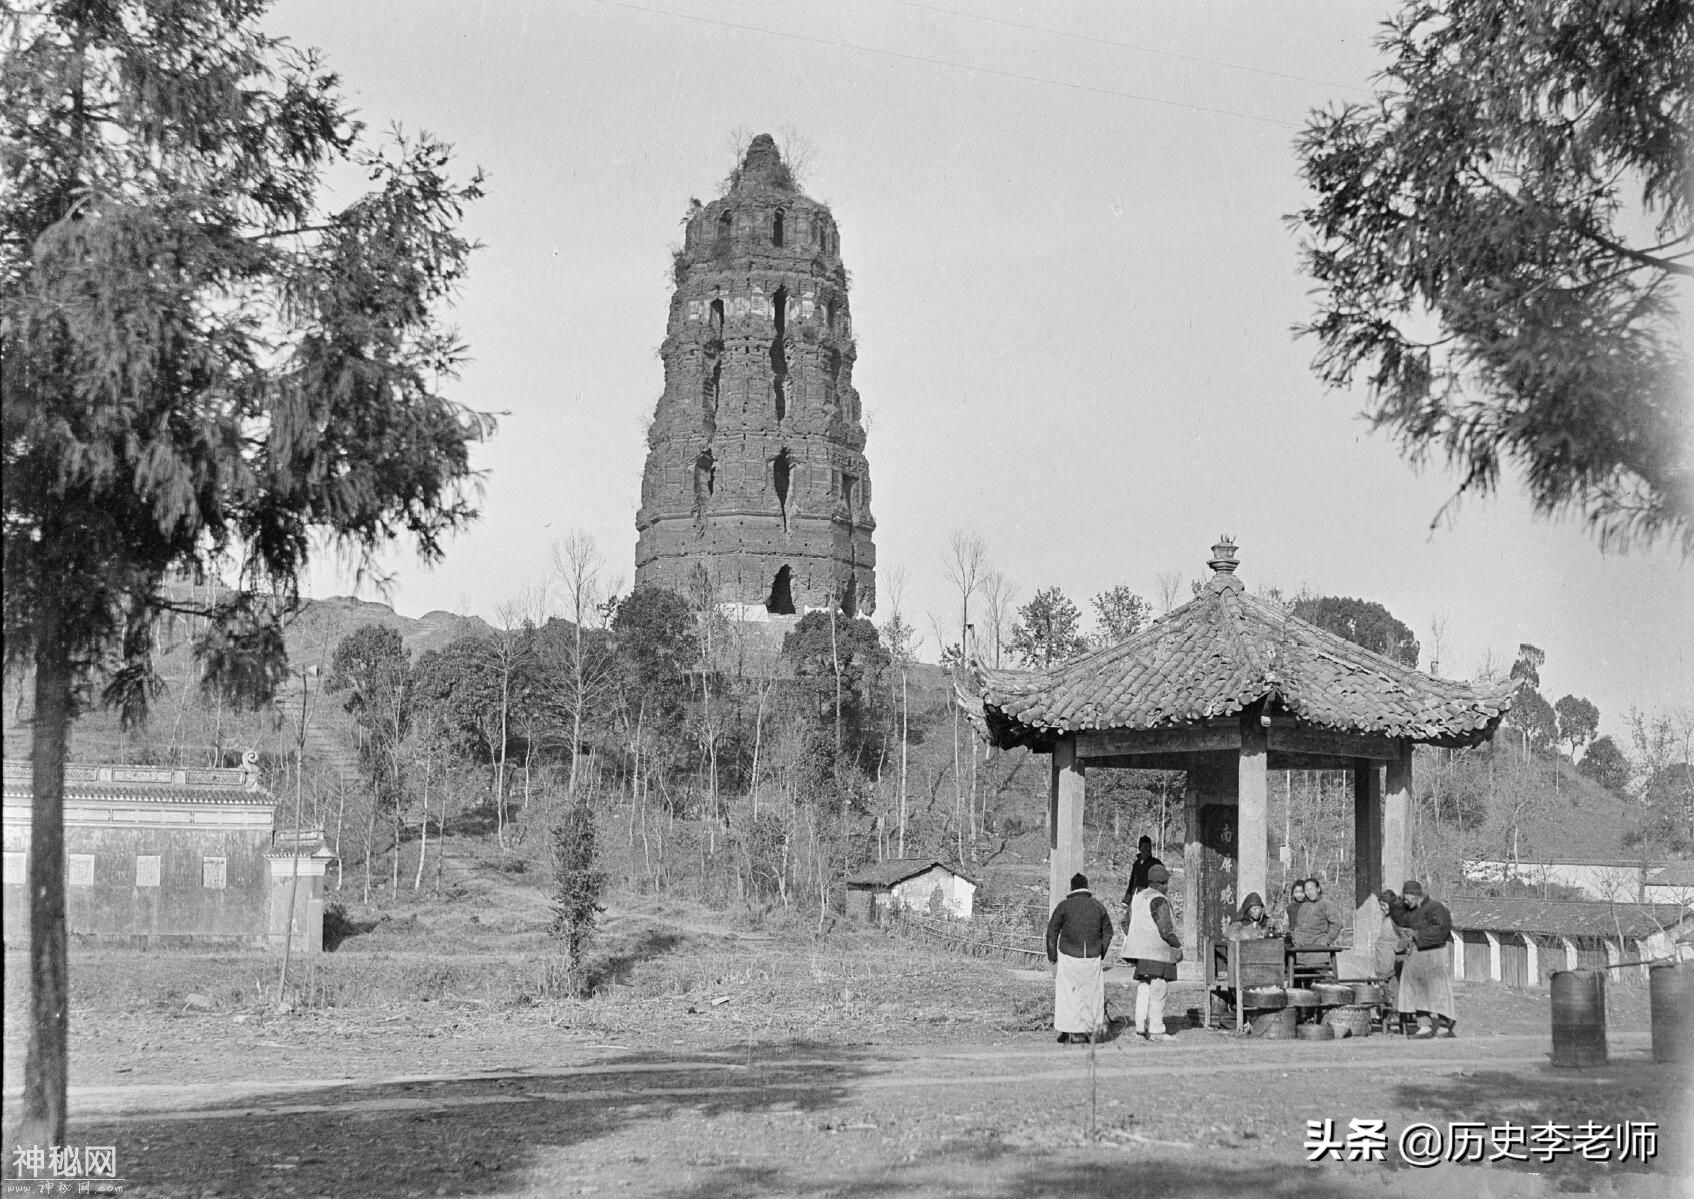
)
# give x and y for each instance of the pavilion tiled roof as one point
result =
(1218, 654)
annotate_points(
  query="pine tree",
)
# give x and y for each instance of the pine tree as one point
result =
(205, 374)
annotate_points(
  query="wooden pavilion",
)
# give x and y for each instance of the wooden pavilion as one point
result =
(1227, 688)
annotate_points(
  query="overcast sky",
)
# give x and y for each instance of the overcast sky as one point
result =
(1073, 293)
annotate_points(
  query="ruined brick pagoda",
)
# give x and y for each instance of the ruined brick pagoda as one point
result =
(756, 476)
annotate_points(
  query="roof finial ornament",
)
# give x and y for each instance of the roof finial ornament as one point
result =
(1223, 565)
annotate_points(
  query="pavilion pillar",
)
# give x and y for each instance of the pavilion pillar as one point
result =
(1193, 962)
(1253, 799)
(1396, 818)
(1367, 831)
(1064, 820)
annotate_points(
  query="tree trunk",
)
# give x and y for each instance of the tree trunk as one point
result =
(500, 783)
(835, 661)
(904, 730)
(340, 813)
(958, 787)
(758, 731)
(576, 708)
(423, 829)
(46, 1067)
(370, 842)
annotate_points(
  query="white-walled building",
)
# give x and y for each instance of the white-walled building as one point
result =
(922, 885)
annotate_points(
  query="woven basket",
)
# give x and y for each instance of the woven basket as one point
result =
(1264, 999)
(1316, 1032)
(1368, 993)
(1301, 997)
(1332, 993)
(1278, 1025)
(1351, 1021)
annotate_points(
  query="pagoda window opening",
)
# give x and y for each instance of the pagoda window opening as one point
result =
(776, 229)
(849, 490)
(726, 227)
(705, 480)
(782, 471)
(781, 601)
(779, 353)
(716, 322)
(850, 597)
(712, 392)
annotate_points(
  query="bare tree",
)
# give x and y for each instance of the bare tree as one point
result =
(799, 152)
(1167, 589)
(577, 562)
(509, 645)
(999, 599)
(1437, 641)
(899, 636)
(967, 563)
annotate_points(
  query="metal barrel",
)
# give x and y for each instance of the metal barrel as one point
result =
(1579, 1018)
(1670, 994)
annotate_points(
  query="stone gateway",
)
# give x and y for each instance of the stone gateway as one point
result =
(756, 485)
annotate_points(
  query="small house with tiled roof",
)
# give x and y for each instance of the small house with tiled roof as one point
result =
(918, 884)
(163, 855)
(1226, 688)
(1523, 941)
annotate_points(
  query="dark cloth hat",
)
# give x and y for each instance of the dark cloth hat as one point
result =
(1411, 887)
(1158, 875)
(1387, 895)
(1079, 882)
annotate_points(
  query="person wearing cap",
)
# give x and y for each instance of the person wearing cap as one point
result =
(1252, 922)
(1152, 947)
(1078, 933)
(1426, 986)
(1144, 861)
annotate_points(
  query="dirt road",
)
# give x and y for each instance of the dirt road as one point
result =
(1007, 1115)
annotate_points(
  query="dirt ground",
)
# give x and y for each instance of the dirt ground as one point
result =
(858, 1068)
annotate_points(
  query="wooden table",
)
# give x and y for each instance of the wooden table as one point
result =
(1292, 953)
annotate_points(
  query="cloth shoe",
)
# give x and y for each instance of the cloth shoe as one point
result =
(1424, 1033)
(1446, 1030)
(1160, 1036)
(1064, 1038)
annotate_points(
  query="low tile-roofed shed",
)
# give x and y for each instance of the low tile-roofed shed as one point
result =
(1225, 687)
(1564, 917)
(1676, 874)
(1523, 940)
